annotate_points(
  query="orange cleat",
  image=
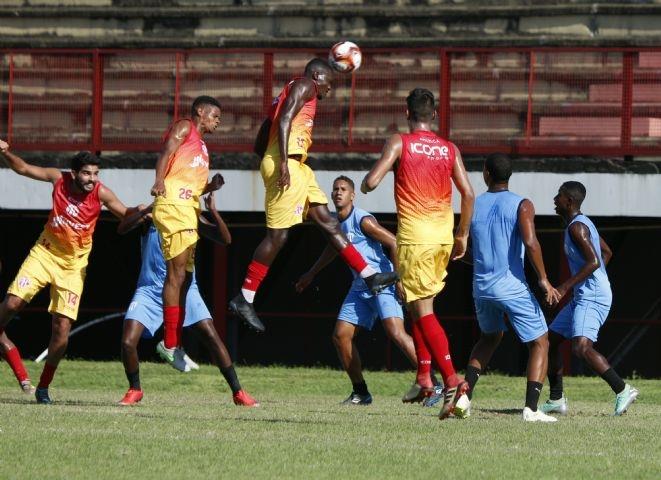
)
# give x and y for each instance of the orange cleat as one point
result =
(132, 397)
(243, 398)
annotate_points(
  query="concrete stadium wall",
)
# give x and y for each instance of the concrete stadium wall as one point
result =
(609, 195)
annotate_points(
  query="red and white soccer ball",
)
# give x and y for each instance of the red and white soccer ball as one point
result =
(345, 57)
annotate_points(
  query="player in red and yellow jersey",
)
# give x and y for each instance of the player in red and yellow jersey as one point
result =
(425, 165)
(60, 255)
(292, 191)
(182, 172)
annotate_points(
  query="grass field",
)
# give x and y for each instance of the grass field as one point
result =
(187, 427)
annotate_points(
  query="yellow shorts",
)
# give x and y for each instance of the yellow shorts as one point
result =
(177, 227)
(285, 208)
(422, 269)
(42, 267)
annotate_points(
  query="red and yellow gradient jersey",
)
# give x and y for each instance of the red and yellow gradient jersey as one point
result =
(71, 223)
(300, 135)
(423, 190)
(187, 171)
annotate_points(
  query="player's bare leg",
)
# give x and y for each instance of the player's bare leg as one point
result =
(394, 328)
(10, 306)
(131, 334)
(557, 403)
(265, 253)
(12, 356)
(343, 339)
(319, 213)
(175, 289)
(59, 339)
(221, 358)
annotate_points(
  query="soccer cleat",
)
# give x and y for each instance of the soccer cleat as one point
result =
(191, 364)
(624, 399)
(41, 394)
(174, 356)
(450, 397)
(131, 397)
(417, 393)
(379, 281)
(27, 387)
(555, 406)
(245, 310)
(357, 399)
(243, 399)
(463, 407)
(435, 397)
(537, 416)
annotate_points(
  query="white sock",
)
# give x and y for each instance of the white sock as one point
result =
(367, 272)
(249, 295)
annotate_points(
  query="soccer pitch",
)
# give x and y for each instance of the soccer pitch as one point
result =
(187, 427)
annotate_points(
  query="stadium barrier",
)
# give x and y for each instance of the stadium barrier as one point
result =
(533, 101)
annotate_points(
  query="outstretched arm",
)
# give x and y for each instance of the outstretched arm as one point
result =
(324, 259)
(460, 179)
(580, 235)
(21, 167)
(217, 231)
(111, 202)
(176, 137)
(134, 217)
(526, 216)
(391, 152)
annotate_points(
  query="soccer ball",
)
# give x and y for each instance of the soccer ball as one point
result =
(345, 57)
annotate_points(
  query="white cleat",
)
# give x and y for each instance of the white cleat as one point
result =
(555, 406)
(174, 356)
(189, 362)
(538, 416)
(463, 407)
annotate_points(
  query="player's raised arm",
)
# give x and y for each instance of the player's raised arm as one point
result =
(111, 202)
(326, 257)
(179, 132)
(302, 91)
(217, 231)
(262, 139)
(526, 216)
(460, 180)
(391, 152)
(580, 235)
(21, 167)
(134, 217)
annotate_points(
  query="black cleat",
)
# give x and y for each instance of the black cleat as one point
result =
(357, 399)
(41, 394)
(244, 309)
(379, 281)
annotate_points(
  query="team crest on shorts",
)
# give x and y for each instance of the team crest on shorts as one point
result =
(298, 210)
(72, 299)
(23, 282)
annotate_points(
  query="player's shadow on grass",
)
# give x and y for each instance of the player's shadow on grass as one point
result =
(502, 411)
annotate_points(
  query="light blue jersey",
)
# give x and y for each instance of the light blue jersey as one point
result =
(497, 247)
(370, 249)
(596, 287)
(146, 305)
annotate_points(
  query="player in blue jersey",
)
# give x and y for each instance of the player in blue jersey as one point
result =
(145, 312)
(361, 308)
(581, 319)
(502, 230)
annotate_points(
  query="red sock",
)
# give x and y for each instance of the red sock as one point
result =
(170, 322)
(254, 276)
(423, 376)
(47, 375)
(180, 325)
(353, 258)
(13, 358)
(437, 342)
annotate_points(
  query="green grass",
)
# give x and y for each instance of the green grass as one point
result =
(187, 427)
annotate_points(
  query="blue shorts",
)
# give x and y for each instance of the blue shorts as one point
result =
(146, 307)
(361, 308)
(523, 312)
(580, 319)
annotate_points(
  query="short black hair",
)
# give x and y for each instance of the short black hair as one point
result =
(421, 105)
(344, 178)
(574, 190)
(84, 158)
(317, 65)
(203, 100)
(499, 167)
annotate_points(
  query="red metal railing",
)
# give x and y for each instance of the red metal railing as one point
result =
(535, 101)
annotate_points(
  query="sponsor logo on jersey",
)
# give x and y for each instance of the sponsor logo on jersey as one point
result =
(204, 148)
(309, 123)
(433, 151)
(72, 210)
(60, 220)
(198, 161)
